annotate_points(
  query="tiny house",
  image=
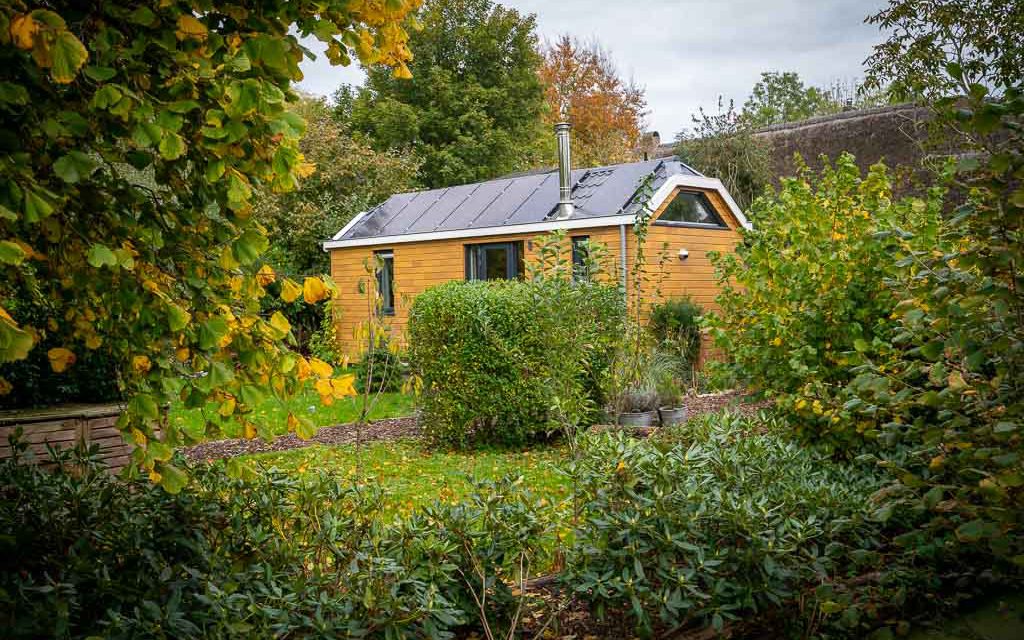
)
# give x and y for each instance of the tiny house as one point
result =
(488, 230)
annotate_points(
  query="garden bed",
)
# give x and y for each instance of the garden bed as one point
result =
(387, 429)
(406, 427)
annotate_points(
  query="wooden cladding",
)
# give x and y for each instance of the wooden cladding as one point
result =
(419, 265)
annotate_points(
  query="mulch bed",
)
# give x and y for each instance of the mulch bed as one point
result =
(389, 429)
(396, 428)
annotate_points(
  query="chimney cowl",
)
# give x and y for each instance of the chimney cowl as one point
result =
(565, 204)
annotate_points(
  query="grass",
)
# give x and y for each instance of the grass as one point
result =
(413, 475)
(274, 413)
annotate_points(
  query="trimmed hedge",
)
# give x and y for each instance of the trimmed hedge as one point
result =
(508, 362)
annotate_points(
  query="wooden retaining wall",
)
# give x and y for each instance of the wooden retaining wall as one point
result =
(64, 427)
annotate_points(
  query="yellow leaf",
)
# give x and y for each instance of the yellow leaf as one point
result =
(138, 437)
(141, 364)
(777, 342)
(60, 359)
(344, 386)
(249, 430)
(313, 290)
(227, 407)
(189, 27)
(5, 387)
(304, 370)
(93, 341)
(265, 275)
(402, 72)
(154, 476)
(23, 31)
(321, 368)
(293, 422)
(280, 325)
(290, 291)
(182, 354)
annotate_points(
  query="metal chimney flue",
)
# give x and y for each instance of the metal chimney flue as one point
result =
(565, 205)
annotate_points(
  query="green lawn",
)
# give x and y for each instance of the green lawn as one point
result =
(275, 413)
(413, 475)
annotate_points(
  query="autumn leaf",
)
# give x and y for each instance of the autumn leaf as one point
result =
(141, 364)
(23, 31)
(190, 27)
(265, 276)
(280, 325)
(60, 359)
(320, 368)
(290, 291)
(314, 290)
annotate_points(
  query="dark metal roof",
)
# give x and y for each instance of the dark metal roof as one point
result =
(523, 199)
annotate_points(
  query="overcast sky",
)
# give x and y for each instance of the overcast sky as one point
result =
(686, 53)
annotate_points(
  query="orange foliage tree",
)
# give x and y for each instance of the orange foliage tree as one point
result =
(583, 87)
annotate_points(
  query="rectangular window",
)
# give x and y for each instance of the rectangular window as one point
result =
(581, 258)
(691, 208)
(386, 281)
(494, 261)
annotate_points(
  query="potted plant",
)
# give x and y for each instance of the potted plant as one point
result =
(638, 407)
(671, 410)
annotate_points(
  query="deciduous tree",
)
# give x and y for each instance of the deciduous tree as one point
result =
(133, 138)
(472, 109)
(782, 97)
(583, 87)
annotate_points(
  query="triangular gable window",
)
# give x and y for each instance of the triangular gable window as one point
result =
(689, 207)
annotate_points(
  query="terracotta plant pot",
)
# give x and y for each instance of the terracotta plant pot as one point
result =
(642, 419)
(672, 415)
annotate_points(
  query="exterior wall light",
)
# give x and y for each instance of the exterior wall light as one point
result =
(683, 254)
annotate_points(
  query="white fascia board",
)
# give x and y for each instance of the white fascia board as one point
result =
(659, 197)
(535, 227)
(698, 182)
(351, 223)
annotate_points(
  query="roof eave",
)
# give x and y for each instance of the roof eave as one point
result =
(657, 199)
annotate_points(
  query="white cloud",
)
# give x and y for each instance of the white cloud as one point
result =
(687, 53)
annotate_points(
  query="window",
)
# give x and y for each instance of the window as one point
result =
(581, 258)
(691, 208)
(494, 261)
(386, 281)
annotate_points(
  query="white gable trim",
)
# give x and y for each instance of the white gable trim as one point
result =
(659, 197)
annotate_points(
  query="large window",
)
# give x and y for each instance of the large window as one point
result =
(386, 281)
(494, 261)
(581, 258)
(691, 208)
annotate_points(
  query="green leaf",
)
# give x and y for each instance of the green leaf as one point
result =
(160, 450)
(183, 106)
(305, 428)
(37, 207)
(99, 74)
(860, 344)
(177, 318)
(11, 253)
(74, 166)
(249, 246)
(145, 406)
(101, 256)
(239, 192)
(252, 395)
(211, 332)
(975, 530)
(14, 342)
(220, 374)
(143, 16)
(69, 55)
(11, 93)
(172, 146)
(172, 478)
